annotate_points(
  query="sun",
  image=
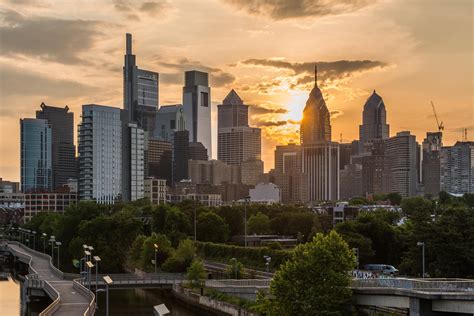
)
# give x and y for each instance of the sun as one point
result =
(295, 105)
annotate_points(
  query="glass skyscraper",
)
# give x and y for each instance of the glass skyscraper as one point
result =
(36, 152)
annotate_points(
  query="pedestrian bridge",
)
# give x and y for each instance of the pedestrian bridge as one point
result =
(129, 280)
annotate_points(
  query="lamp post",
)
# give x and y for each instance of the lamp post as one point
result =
(108, 281)
(247, 200)
(34, 239)
(86, 266)
(83, 265)
(58, 244)
(43, 236)
(268, 259)
(356, 251)
(97, 260)
(156, 250)
(52, 240)
(195, 230)
(422, 244)
(89, 265)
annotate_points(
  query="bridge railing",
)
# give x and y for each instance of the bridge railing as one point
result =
(55, 296)
(239, 283)
(444, 285)
(76, 284)
(128, 278)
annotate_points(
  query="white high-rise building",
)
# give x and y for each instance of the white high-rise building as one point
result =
(100, 154)
(457, 168)
(197, 108)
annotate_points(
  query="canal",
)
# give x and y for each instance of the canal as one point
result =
(137, 302)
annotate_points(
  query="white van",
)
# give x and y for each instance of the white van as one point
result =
(382, 268)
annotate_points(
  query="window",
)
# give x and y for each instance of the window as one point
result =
(172, 124)
(205, 99)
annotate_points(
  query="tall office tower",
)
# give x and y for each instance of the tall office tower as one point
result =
(320, 155)
(346, 150)
(64, 151)
(288, 174)
(350, 181)
(180, 155)
(159, 159)
(400, 155)
(373, 159)
(232, 112)
(133, 160)
(169, 118)
(100, 154)
(197, 151)
(36, 155)
(374, 120)
(457, 168)
(197, 108)
(430, 165)
(213, 172)
(237, 142)
(140, 91)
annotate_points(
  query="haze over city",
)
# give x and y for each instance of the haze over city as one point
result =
(265, 50)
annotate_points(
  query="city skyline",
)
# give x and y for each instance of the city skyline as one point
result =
(272, 79)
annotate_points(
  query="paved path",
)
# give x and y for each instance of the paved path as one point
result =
(71, 302)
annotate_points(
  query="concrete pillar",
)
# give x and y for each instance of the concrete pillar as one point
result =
(420, 307)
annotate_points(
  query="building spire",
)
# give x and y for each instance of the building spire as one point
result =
(129, 43)
(315, 74)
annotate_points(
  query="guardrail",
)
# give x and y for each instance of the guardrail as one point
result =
(55, 296)
(80, 288)
(134, 279)
(239, 283)
(416, 284)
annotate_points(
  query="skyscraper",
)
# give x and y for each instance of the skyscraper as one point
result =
(320, 155)
(158, 159)
(140, 91)
(61, 122)
(197, 108)
(457, 168)
(100, 154)
(169, 118)
(236, 141)
(374, 120)
(36, 155)
(180, 155)
(431, 163)
(400, 156)
(133, 160)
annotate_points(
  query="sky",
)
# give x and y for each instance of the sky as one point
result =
(70, 52)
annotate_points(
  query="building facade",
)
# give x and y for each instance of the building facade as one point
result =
(457, 168)
(140, 91)
(159, 159)
(374, 120)
(197, 108)
(63, 155)
(54, 202)
(36, 155)
(180, 155)
(100, 154)
(265, 193)
(9, 186)
(430, 175)
(155, 190)
(133, 161)
(169, 118)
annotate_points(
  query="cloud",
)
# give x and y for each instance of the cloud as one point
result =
(29, 3)
(47, 38)
(335, 113)
(218, 77)
(154, 7)
(290, 9)
(270, 123)
(259, 110)
(16, 82)
(131, 9)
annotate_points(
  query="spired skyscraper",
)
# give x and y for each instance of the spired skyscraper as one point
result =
(140, 91)
(374, 120)
(320, 155)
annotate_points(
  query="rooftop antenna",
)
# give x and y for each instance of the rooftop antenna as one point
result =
(316, 74)
(465, 134)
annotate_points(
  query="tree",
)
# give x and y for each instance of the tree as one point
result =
(211, 227)
(258, 224)
(196, 273)
(147, 253)
(234, 270)
(315, 281)
(395, 198)
(181, 258)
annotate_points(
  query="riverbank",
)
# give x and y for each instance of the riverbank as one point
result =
(221, 308)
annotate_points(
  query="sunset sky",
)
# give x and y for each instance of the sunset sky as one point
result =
(410, 51)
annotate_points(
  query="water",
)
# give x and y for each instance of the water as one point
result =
(121, 302)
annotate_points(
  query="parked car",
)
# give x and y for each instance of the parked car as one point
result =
(382, 268)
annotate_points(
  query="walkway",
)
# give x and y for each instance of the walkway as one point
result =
(73, 301)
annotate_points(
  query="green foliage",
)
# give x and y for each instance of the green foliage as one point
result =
(147, 253)
(444, 197)
(196, 273)
(235, 269)
(314, 281)
(258, 224)
(394, 198)
(172, 222)
(468, 199)
(211, 227)
(291, 224)
(250, 256)
(181, 258)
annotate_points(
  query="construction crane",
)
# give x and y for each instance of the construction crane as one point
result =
(440, 125)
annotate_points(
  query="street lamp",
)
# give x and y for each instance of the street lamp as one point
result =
(156, 250)
(58, 243)
(34, 239)
(108, 281)
(89, 265)
(44, 242)
(422, 244)
(52, 240)
(86, 259)
(356, 251)
(96, 260)
(247, 200)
